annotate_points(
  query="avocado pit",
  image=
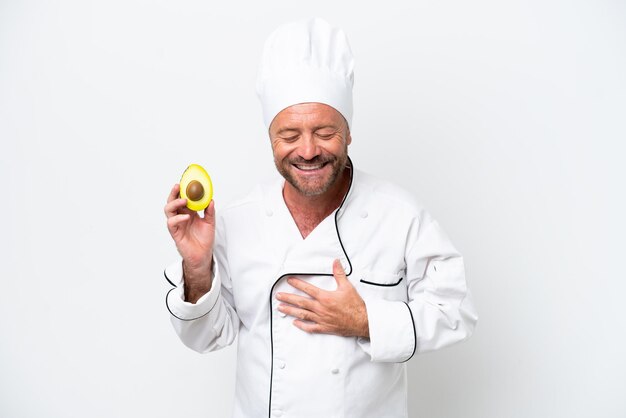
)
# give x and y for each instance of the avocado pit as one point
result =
(194, 190)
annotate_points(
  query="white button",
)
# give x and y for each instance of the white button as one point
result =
(277, 412)
(281, 364)
(269, 212)
(364, 214)
(282, 314)
(334, 371)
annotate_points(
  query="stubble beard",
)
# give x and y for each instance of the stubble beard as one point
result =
(313, 188)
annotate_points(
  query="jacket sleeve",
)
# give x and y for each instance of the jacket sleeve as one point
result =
(212, 322)
(439, 311)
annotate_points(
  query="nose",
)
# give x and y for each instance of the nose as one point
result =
(308, 147)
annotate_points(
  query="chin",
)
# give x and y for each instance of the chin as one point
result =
(310, 188)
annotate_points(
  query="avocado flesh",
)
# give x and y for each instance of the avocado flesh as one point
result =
(203, 192)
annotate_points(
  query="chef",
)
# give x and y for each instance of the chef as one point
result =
(331, 278)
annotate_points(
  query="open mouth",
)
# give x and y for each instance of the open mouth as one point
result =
(310, 167)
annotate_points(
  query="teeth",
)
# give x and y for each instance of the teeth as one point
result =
(309, 167)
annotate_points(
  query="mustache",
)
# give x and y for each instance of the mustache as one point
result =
(318, 159)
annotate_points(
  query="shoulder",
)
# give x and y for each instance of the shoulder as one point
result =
(392, 196)
(251, 201)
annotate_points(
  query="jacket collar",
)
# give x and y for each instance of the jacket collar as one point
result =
(313, 255)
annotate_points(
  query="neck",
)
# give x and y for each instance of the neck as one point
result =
(309, 211)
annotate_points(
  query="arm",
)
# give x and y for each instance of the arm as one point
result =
(439, 311)
(201, 302)
(211, 322)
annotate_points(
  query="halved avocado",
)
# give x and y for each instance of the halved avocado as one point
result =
(196, 187)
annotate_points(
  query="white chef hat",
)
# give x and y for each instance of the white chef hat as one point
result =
(306, 61)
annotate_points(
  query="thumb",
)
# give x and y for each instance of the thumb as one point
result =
(209, 213)
(340, 274)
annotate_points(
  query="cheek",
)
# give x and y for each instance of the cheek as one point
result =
(281, 151)
(336, 148)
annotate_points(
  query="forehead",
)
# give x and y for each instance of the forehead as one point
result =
(306, 116)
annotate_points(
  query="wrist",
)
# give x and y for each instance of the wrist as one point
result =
(197, 280)
(194, 266)
(365, 326)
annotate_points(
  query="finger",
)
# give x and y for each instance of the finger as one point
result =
(177, 221)
(296, 300)
(176, 207)
(339, 273)
(209, 213)
(307, 288)
(174, 193)
(296, 312)
(310, 327)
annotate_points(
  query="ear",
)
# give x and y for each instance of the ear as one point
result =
(348, 136)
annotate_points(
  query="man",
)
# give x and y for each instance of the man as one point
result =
(331, 278)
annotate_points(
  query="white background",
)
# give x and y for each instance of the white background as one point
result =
(505, 118)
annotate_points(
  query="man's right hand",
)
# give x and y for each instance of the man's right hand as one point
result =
(194, 237)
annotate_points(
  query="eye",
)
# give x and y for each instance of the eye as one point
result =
(291, 138)
(325, 135)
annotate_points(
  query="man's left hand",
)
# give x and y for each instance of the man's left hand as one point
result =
(339, 312)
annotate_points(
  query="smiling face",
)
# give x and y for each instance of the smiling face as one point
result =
(310, 144)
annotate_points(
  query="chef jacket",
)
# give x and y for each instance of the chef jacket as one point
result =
(396, 255)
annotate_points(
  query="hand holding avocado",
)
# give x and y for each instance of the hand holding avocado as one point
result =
(193, 235)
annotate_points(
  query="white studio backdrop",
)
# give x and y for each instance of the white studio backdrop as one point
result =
(506, 119)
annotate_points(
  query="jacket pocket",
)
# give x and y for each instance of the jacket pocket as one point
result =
(384, 284)
(380, 285)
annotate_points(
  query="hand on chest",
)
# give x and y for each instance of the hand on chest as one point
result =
(261, 260)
